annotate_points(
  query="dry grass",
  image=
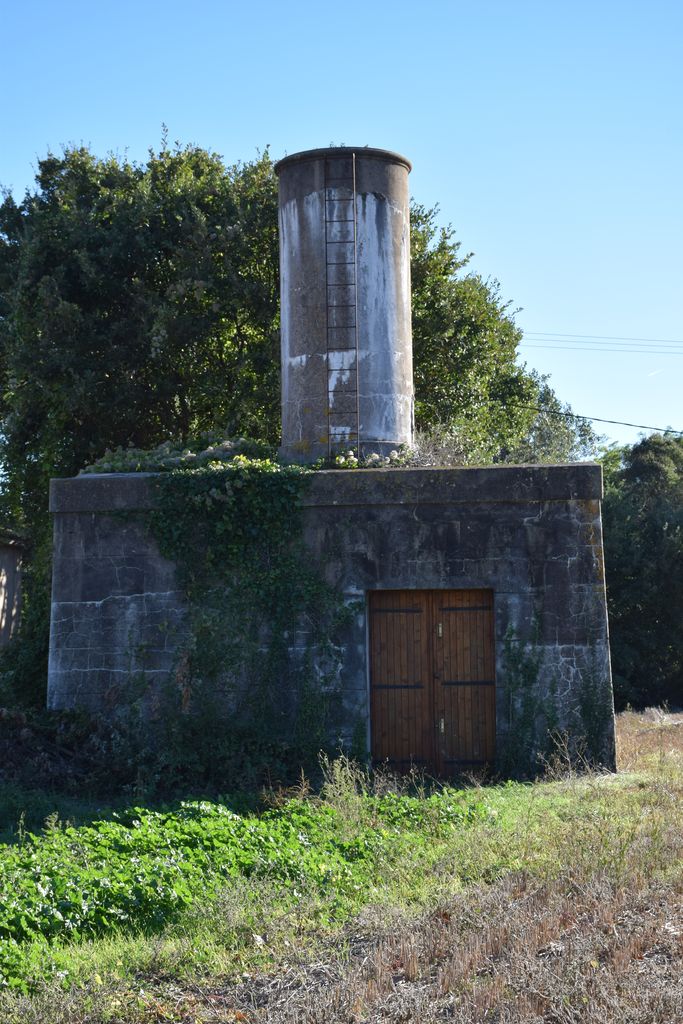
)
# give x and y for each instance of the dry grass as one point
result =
(513, 953)
(592, 934)
(650, 740)
(516, 951)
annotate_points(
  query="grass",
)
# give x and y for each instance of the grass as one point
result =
(558, 902)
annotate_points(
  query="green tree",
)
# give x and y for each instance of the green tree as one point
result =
(139, 303)
(555, 433)
(643, 526)
(465, 346)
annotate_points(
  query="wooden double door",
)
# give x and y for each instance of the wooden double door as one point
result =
(432, 679)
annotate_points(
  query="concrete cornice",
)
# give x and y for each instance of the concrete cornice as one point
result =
(582, 481)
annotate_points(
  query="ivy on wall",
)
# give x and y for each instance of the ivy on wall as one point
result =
(258, 663)
(541, 725)
(255, 693)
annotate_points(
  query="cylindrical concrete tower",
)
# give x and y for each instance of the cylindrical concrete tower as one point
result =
(347, 371)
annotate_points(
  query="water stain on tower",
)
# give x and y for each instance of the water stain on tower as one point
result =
(347, 374)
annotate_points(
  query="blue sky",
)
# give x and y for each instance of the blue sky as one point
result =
(549, 133)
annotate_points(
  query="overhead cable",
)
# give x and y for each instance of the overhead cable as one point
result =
(594, 419)
(603, 337)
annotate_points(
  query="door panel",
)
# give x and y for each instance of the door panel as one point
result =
(432, 678)
(464, 682)
(400, 677)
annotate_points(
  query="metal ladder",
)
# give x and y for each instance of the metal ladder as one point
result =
(343, 413)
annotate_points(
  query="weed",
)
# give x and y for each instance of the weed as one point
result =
(558, 901)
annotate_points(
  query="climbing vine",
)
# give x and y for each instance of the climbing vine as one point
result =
(522, 666)
(256, 680)
(257, 664)
(539, 732)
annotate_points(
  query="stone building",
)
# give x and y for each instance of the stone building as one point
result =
(478, 623)
(11, 550)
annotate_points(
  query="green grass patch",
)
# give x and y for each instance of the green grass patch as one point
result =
(141, 870)
(170, 896)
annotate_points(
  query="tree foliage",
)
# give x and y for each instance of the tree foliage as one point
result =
(139, 304)
(643, 523)
(465, 344)
(555, 433)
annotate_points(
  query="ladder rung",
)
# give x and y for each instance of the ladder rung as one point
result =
(343, 427)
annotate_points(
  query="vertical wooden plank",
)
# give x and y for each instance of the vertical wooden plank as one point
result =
(436, 652)
(381, 695)
(407, 696)
(403, 650)
(464, 673)
(386, 674)
(423, 736)
(418, 677)
(442, 740)
(400, 624)
(467, 677)
(413, 671)
(437, 649)
(457, 600)
(441, 668)
(399, 665)
(391, 696)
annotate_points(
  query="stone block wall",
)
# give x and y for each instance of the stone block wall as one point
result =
(11, 550)
(531, 534)
(116, 610)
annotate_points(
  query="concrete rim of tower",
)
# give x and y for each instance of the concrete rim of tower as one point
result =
(335, 152)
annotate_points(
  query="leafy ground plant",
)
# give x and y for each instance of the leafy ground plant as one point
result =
(140, 871)
(559, 902)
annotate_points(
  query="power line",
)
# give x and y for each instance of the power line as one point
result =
(603, 337)
(596, 419)
(574, 347)
(572, 342)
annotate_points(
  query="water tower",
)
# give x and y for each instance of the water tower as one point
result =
(347, 374)
(477, 619)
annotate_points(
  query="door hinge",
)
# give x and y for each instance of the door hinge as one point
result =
(439, 629)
